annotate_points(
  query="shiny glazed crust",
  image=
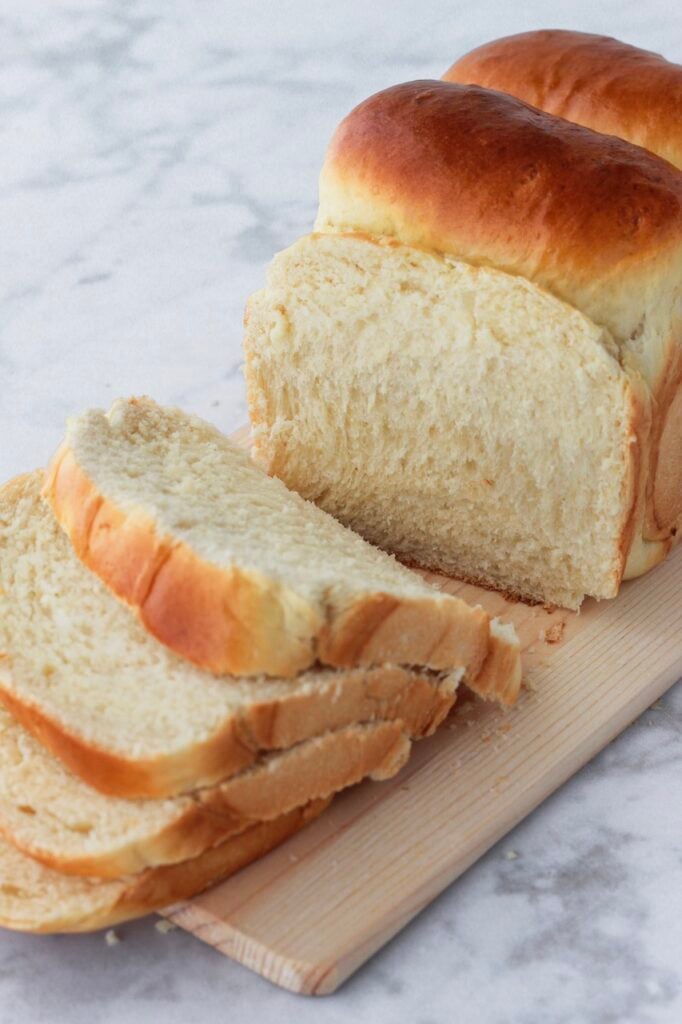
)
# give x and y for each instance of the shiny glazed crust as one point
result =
(592, 80)
(238, 622)
(483, 176)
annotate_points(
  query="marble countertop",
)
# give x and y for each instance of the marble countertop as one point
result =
(153, 157)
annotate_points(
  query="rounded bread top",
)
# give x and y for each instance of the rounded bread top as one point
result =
(593, 80)
(486, 178)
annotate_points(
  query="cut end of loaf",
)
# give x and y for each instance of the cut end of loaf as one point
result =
(437, 427)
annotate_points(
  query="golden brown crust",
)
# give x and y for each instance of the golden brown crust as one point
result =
(645, 555)
(134, 896)
(479, 174)
(367, 631)
(388, 693)
(232, 621)
(592, 80)
(225, 621)
(654, 480)
(664, 493)
(315, 769)
(224, 754)
(500, 675)
(634, 485)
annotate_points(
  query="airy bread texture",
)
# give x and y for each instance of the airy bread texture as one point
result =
(230, 569)
(131, 718)
(517, 363)
(593, 80)
(53, 816)
(38, 899)
(451, 457)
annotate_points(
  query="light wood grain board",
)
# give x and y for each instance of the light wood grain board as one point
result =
(311, 912)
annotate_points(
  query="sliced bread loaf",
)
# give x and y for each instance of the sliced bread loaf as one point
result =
(38, 899)
(127, 715)
(229, 568)
(476, 362)
(53, 816)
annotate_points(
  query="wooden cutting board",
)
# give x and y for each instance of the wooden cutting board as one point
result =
(311, 912)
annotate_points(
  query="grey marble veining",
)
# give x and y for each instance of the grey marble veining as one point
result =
(153, 155)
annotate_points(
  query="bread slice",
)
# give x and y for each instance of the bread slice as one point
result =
(53, 816)
(230, 569)
(35, 898)
(131, 718)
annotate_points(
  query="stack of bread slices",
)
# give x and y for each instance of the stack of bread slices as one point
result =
(193, 661)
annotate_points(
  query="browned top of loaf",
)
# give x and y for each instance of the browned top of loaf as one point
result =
(593, 80)
(490, 179)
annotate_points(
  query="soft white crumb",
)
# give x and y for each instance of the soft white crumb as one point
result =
(511, 855)
(111, 938)
(165, 926)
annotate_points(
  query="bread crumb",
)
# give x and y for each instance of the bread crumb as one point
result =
(553, 633)
(511, 855)
(165, 926)
(293, 858)
(111, 938)
(656, 706)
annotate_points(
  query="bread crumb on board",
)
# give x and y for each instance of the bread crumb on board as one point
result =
(553, 633)
(511, 855)
(111, 938)
(163, 926)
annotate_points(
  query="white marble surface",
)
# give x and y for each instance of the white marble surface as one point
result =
(153, 155)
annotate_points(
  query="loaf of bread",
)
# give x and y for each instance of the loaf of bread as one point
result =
(54, 817)
(229, 568)
(129, 717)
(38, 899)
(593, 80)
(476, 360)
